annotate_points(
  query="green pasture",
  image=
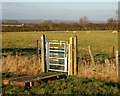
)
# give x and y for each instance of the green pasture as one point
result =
(100, 41)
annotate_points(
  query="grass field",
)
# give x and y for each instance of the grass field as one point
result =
(100, 41)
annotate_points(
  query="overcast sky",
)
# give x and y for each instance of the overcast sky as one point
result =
(58, 10)
(60, 0)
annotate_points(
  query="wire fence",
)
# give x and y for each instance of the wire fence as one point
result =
(83, 54)
(99, 58)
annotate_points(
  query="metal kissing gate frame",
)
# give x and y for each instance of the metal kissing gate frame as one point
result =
(57, 55)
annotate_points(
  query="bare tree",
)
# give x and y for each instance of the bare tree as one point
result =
(111, 20)
(84, 20)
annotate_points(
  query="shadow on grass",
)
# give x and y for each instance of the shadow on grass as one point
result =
(10, 75)
(113, 84)
(19, 51)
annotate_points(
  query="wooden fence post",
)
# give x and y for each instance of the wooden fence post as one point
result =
(92, 58)
(75, 55)
(117, 61)
(113, 55)
(43, 53)
(37, 51)
(71, 56)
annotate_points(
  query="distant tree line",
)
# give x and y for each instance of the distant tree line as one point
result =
(83, 25)
(11, 22)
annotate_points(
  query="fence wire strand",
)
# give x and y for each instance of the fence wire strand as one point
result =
(98, 57)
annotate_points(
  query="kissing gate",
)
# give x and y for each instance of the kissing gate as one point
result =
(59, 55)
(56, 55)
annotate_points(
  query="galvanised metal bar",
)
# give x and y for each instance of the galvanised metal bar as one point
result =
(57, 70)
(55, 58)
(55, 54)
(65, 61)
(47, 55)
(56, 64)
(69, 60)
(55, 47)
(56, 50)
(55, 43)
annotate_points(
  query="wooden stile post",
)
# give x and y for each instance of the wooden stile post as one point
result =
(43, 53)
(37, 51)
(71, 56)
(75, 55)
(117, 61)
(92, 58)
(117, 58)
(113, 55)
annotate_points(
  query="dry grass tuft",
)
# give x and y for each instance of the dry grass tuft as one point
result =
(30, 66)
(21, 65)
(107, 72)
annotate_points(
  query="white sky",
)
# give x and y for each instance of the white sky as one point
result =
(56, 11)
(59, 10)
(60, 0)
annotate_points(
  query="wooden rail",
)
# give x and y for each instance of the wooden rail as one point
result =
(31, 80)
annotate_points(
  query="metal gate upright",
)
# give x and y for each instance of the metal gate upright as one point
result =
(57, 55)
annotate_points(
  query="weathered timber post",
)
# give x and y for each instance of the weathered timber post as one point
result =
(43, 53)
(75, 55)
(113, 55)
(117, 61)
(37, 51)
(92, 58)
(71, 56)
